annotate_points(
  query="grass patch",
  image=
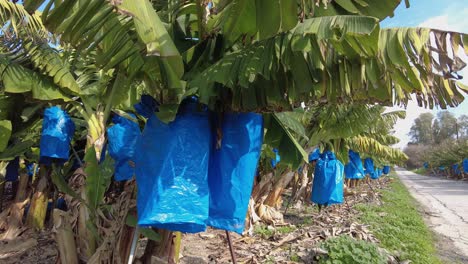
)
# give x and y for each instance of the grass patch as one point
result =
(295, 258)
(263, 231)
(285, 229)
(345, 249)
(420, 171)
(266, 233)
(399, 226)
(307, 221)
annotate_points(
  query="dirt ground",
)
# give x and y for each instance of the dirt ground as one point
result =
(295, 240)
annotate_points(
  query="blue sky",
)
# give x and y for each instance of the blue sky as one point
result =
(449, 15)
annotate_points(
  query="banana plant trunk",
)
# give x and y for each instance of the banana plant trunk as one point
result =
(125, 242)
(38, 209)
(167, 250)
(2, 191)
(265, 182)
(15, 223)
(95, 139)
(300, 193)
(274, 197)
(64, 237)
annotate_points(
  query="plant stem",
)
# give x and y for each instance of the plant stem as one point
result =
(38, 209)
(201, 29)
(64, 237)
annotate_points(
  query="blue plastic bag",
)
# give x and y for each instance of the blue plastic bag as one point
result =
(171, 170)
(147, 106)
(314, 155)
(57, 133)
(378, 172)
(328, 182)
(386, 169)
(375, 174)
(12, 169)
(456, 169)
(354, 168)
(369, 166)
(276, 160)
(30, 169)
(122, 140)
(232, 170)
(465, 165)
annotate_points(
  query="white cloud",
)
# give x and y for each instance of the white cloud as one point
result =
(452, 19)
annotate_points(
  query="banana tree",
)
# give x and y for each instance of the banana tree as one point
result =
(363, 128)
(241, 56)
(316, 56)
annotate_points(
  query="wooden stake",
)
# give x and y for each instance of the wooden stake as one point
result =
(231, 249)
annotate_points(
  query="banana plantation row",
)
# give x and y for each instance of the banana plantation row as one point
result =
(196, 99)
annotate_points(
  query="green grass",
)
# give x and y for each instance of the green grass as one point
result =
(420, 171)
(266, 233)
(399, 226)
(344, 249)
(263, 231)
(285, 229)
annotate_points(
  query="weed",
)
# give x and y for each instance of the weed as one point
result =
(285, 229)
(345, 249)
(270, 260)
(263, 231)
(399, 226)
(266, 233)
(295, 258)
(307, 221)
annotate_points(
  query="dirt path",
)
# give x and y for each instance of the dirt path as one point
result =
(445, 205)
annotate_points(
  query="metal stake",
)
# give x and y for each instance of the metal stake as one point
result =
(231, 249)
(134, 244)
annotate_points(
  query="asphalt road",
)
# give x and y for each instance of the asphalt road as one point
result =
(445, 204)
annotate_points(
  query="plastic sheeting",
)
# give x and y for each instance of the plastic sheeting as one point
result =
(378, 172)
(172, 171)
(122, 140)
(328, 182)
(465, 165)
(386, 169)
(57, 133)
(276, 160)
(375, 174)
(456, 169)
(232, 170)
(314, 155)
(354, 168)
(369, 166)
(147, 106)
(12, 169)
(30, 168)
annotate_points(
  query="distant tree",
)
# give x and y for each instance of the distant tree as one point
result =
(417, 155)
(421, 131)
(462, 126)
(447, 127)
